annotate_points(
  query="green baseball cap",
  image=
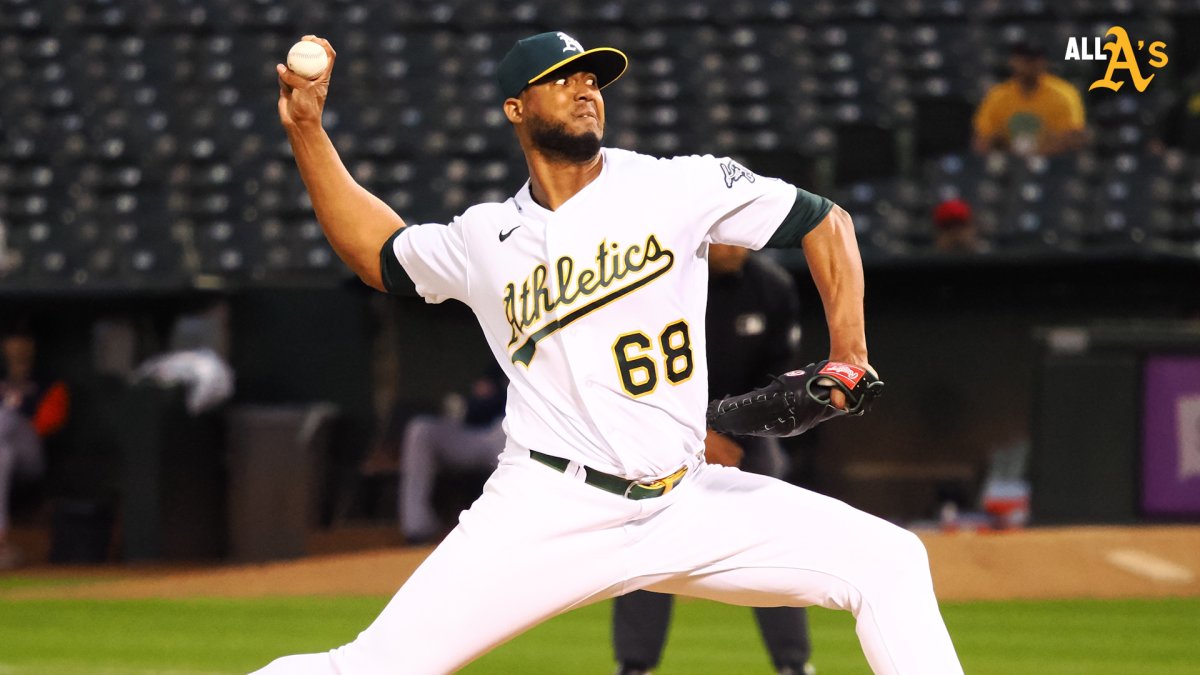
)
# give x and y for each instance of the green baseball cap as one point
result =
(535, 57)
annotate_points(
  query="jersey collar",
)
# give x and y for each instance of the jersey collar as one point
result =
(531, 209)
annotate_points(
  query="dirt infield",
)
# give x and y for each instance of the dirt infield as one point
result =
(1092, 562)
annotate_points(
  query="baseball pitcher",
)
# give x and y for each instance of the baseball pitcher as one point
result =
(589, 284)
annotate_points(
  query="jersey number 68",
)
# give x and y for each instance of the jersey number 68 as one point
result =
(636, 364)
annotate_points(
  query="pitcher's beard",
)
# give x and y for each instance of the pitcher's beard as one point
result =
(554, 140)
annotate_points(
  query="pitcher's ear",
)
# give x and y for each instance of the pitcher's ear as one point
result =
(514, 110)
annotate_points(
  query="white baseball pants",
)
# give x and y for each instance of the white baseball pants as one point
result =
(539, 543)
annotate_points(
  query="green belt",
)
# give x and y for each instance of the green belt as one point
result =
(630, 489)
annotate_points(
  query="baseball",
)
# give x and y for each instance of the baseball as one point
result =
(307, 59)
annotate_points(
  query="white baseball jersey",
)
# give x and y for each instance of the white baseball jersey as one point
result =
(596, 310)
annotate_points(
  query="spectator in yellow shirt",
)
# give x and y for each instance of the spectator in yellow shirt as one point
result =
(1032, 112)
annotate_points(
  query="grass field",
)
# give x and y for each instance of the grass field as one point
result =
(233, 636)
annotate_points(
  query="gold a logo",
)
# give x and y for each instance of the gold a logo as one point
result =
(1121, 56)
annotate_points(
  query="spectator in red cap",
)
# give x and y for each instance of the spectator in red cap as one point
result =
(954, 230)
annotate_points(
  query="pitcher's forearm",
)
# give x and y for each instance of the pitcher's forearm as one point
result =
(836, 267)
(356, 222)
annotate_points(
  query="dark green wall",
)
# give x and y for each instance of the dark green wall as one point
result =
(956, 341)
(958, 344)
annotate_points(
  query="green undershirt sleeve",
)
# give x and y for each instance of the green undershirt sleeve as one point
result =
(395, 279)
(807, 212)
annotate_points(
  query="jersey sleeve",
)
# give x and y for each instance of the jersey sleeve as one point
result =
(745, 209)
(430, 259)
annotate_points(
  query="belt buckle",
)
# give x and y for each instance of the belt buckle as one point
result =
(667, 483)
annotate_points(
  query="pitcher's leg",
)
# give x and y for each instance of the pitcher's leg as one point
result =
(772, 543)
(534, 545)
(784, 629)
(640, 623)
(446, 614)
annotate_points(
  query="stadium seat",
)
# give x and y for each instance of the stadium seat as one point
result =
(166, 117)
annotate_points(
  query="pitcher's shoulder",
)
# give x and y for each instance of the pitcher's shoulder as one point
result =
(490, 212)
(483, 219)
(627, 161)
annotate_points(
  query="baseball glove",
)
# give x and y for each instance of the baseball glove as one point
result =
(796, 401)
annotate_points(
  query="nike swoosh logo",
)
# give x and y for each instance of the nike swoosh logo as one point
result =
(506, 235)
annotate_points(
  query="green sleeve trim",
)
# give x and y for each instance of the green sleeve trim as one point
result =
(807, 212)
(395, 279)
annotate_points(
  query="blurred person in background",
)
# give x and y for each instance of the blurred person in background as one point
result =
(954, 228)
(1032, 112)
(1179, 126)
(32, 408)
(467, 439)
(753, 323)
(5, 256)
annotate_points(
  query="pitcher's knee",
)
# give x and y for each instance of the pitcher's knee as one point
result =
(901, 561)
(910, 550)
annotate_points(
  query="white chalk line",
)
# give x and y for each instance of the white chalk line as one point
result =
(1149, 566)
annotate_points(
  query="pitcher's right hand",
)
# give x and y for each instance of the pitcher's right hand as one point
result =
(301, 100)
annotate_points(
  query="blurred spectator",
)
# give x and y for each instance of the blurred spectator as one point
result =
(31, 408)
(1032, 112)
(5, 256)
(472, 439)
(1180, 124)
(954, 229)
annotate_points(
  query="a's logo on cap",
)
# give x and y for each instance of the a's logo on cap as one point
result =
(570, 43)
